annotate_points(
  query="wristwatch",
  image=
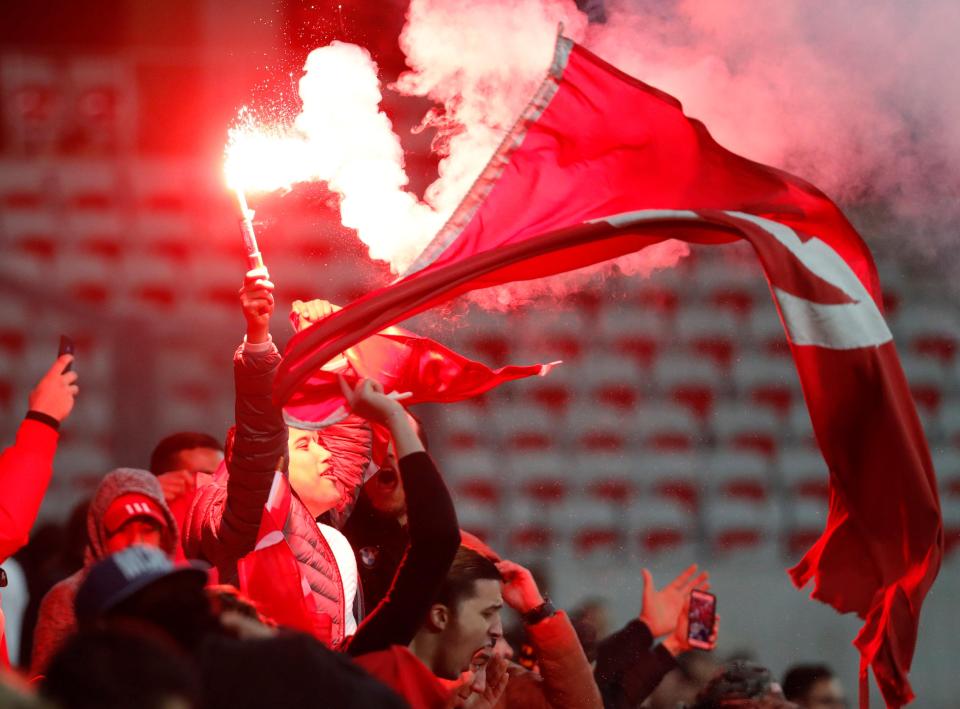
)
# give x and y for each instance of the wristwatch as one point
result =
(535, 615)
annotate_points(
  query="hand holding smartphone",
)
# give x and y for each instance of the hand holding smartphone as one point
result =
(702, 617)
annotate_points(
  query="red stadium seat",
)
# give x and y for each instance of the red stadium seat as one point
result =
(637, 334)
(598, 430)
(611, 381)
(805, 521)
(559, 335)
(771, 382)
(803, 473)
(676, 478)
(544, 477)
(742, 529)
(524, 427)
(608, 477)
(745, 427)
(665, 427)
(767, 333)
(462, 429)
(691, 381)
(708, 333)
(739, 475)
(930, 330)
(662, 530)
(950, 422)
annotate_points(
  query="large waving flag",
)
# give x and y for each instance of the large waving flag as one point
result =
(600, 165)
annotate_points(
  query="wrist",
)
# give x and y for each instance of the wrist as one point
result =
(672, 645)
(541, 611)
(257, 334)
(652, 626)
(43, 417)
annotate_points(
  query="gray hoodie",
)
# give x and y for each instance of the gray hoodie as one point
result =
(56, 620)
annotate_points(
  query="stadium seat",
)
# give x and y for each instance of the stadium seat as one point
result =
(461, 428)
(677, 478)
(709, 333)
(664, 426)
(927, 378)
(524, 427)
(598, 429)
(950, 422)
(767, 332)
(946, 463)
(638, 334)
(799, 426)
(772, 382)
(742, 529)
(154, 284)
(611, 381)
(691, 381)
(81, 457)
(803, 473)
(89, 184)
(745, 427)
(162, 186)
(662, 530)
(90, 281)
(805, 521)
(542, 476)
(25, 184)
(592, 531)
(478, 476)
(609, 477)
(930, 330)
(488, 336)
(739, 475)
(553, 392)
(558, 335)
(478, 518)
(731, 285)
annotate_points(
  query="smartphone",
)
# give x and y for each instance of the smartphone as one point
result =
(702, 615)
(66, 347)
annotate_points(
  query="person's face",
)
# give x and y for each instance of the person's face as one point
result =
(199, 460)
(825, 694)
(385, 491)
(138, 530)
(311, 473)
(474, 625)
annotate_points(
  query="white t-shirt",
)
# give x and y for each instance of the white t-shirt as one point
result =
(347, 563)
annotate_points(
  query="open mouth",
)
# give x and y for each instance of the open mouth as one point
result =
(387, 478)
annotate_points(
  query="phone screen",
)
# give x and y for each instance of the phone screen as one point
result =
(703, 611)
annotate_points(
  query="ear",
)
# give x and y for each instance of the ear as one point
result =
(438, 617)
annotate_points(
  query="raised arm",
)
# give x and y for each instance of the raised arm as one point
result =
(629, 665)
(431, 521)
(26, 466)
(223, 522)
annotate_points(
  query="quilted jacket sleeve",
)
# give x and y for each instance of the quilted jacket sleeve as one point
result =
(224, 518)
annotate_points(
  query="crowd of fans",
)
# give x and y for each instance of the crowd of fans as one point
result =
(284, 568)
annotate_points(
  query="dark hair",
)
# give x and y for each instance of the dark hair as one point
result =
(111, 668)
(289, 670)
(468, 567)
(800, 678)
(164, 456)
(739, 683)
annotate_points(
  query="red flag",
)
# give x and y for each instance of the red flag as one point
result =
(402, 362)
(600, 165)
